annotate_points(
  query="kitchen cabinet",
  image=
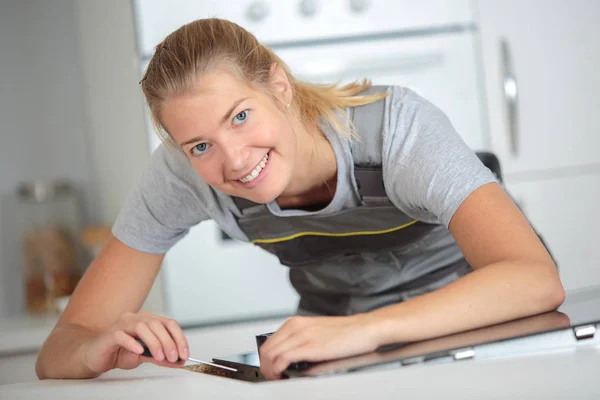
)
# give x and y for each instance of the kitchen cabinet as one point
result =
(16, 368)
(540, 69)
(22, 338)
(540, 63)
(293, 21)
(211, 279)
(563, 211)
(430, 46)
(435, 66)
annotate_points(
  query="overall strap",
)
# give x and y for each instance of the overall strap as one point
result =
(367, 148)
(243, 203)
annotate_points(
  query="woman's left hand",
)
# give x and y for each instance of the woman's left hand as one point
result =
(317, 339)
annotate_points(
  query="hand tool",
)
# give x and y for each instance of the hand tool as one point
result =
(147, 353)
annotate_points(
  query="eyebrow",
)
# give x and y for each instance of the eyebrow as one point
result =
(223, 120)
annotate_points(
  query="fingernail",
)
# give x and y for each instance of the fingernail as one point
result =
(160, 355)
(173, 356)
(186, 352)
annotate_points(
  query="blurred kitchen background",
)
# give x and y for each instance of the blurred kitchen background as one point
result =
(518, 78)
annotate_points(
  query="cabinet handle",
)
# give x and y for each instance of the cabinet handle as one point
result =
(510, 95)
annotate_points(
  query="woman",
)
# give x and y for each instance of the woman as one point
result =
(392, 228)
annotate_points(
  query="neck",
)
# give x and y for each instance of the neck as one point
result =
(315, 172)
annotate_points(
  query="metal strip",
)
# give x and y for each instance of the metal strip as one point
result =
(584, 332)
(464, 354)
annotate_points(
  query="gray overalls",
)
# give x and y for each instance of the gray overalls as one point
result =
(363, 257)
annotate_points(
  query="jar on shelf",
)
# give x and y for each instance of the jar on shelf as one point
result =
(49, 219)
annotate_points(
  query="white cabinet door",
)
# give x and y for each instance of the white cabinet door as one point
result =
(17, 368)
(565, 212)
(441, 68)
(552, 50)
(209, 279)
(285, 21)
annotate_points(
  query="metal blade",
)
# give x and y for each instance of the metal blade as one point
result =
(211, 364)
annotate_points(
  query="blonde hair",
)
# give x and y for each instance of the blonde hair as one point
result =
(205, 44)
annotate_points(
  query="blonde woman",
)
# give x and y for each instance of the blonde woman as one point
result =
(392, 228)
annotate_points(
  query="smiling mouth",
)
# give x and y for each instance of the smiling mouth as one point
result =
(256, 171)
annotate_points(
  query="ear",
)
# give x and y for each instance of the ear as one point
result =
(281, 86)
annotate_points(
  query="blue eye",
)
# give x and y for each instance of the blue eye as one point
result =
(241, 117)
(199, 148)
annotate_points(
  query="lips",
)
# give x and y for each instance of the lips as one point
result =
(252, 176)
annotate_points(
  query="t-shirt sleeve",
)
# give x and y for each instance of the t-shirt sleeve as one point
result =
(165, 203)
(428, 168)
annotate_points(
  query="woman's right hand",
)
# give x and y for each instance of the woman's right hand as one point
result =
(117, 346)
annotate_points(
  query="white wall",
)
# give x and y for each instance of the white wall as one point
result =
(70, 107)
(114, 106)
(42, 118)
(114, 101)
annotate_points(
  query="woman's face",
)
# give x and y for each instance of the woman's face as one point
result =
(239, 140)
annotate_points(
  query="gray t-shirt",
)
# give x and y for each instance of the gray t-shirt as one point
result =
(428, 171)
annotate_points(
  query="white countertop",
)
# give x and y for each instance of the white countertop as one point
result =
(25, 334)
(21, 339)
(566, 374)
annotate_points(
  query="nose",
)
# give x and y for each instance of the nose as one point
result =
(236, 156)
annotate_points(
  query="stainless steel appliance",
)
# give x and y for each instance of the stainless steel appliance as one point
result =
(429, 46)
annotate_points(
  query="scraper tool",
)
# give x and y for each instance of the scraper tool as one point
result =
(147, 353)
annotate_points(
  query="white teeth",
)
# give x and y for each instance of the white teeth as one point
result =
(252, 175)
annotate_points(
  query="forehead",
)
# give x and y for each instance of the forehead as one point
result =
(209, 88)
(201, 109)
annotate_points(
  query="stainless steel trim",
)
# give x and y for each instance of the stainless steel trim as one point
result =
(211, 364)
(463, 354)
(511, 93)
(584, 332)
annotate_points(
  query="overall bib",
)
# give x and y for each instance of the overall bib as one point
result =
(363, 257)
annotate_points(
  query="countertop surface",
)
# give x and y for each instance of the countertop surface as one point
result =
(25, 334)
(566, 374)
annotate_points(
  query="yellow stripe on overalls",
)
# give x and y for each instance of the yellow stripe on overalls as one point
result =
(294, 236)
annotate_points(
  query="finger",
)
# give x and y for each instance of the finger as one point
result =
(270, 355)
(98, 351)
(177, 334)
(127, 342)
(306, 352)
(289, 327)
(166, 341)
(277, 361)
(154, 345)
(165, 363)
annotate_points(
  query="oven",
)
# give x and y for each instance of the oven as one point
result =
(429, 46)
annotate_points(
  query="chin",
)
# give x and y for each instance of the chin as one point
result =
(263, 198)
